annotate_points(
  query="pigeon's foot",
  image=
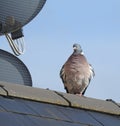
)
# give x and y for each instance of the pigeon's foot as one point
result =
(80, 95)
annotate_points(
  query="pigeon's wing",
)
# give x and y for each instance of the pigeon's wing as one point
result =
(92, 74)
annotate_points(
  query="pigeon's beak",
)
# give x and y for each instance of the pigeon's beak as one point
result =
(74, 48)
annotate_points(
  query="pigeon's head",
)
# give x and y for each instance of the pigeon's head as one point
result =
(77, 49)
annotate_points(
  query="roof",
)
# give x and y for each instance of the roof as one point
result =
(23, 105)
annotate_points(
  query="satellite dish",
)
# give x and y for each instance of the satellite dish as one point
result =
(14, 14)
(13, 70)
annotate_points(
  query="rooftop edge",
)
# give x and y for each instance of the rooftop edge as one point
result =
(58, 98)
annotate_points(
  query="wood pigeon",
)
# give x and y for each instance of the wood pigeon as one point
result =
(76, 73)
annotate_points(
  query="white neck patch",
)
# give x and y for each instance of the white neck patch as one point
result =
(82, 53)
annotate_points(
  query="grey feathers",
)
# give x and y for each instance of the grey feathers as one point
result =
(76, 73)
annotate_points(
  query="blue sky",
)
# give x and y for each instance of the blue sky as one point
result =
(94, 24)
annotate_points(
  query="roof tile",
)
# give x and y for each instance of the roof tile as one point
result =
(2, 91)
(32, 93)
(92, 104)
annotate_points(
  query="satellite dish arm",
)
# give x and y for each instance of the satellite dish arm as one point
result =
(16, 45)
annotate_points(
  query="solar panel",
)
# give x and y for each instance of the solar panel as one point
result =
(13, 70)
(23, 112)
